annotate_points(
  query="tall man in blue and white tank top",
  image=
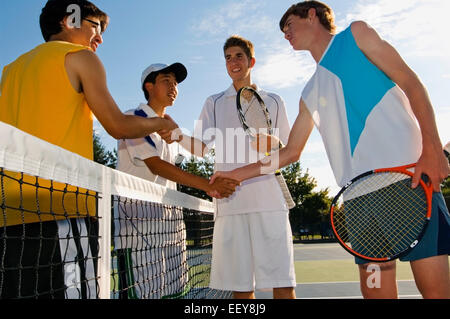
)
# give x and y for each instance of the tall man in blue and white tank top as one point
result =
(372, 112)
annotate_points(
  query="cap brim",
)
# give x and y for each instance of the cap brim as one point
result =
(178, 69)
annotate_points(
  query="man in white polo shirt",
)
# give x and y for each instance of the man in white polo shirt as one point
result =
(252, 244)
(138, 224)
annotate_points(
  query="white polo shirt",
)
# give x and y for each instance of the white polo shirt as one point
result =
(132, 152)
(219, 127)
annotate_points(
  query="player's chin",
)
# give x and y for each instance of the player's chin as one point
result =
(94, 47)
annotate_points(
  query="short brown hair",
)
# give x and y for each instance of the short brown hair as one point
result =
(323, 12)
(244, 44)
(56, 10)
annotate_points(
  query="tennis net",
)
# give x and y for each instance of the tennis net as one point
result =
(72, 228)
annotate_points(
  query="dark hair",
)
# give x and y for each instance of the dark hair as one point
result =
(323, 12)
(150, 78)
(56, 10)
(244, 44)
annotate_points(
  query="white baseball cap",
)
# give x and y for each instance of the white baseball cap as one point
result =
(177, 68)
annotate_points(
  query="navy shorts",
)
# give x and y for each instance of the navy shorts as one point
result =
(436, 240)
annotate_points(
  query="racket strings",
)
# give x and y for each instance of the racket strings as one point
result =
(384, 221)
(254, 113)
(386, 240)
(255, 119)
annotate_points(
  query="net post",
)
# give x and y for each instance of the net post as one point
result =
(104, 214)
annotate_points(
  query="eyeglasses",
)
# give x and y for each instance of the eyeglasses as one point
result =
(96, 24)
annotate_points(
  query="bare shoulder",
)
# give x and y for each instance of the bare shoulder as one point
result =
(360, 28)
(365, 35)
(83, 59)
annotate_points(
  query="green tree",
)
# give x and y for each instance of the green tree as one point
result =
(312, 207)
(103, 156)
(446, 191)
(203, 167)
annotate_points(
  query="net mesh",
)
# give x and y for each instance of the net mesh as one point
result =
(71, 228)
(161, 251)
(381, 216)
(48, 244)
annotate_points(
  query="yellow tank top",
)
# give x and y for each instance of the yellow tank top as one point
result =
(37, 97)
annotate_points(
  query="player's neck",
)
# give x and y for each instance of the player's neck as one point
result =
(238, 84)
(160, 110)
(319, 46)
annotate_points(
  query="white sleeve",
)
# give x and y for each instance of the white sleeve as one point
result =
(142, 148)
(310, 96)
(206, 123)
(283, 122)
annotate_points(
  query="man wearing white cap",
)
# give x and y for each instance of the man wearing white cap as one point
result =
(153, 159)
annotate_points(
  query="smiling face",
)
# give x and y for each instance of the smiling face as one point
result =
(89, 33)
(164, 91)
(238, 64)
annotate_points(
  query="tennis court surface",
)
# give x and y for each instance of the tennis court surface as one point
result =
(326, 270)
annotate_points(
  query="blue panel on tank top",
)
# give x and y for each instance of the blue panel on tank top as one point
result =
(364, 85)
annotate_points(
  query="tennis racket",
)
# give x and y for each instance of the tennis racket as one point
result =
(377, 216)
(255, 118)
(447, 150)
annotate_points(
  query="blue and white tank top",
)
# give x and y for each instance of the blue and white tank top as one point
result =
(364, 118)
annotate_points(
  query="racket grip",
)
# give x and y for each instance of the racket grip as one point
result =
(285, 190)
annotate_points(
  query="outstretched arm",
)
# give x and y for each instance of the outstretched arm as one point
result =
(300, 132)
(189, 143)
(385, 57)
(89, 72)
(223, 186)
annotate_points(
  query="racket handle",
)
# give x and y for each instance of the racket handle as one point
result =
(285, 190)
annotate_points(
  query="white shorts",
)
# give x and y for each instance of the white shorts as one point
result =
(252, 252)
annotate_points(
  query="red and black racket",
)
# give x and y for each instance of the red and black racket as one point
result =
(377, 216)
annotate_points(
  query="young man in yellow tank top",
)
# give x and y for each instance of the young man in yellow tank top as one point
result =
(52, 92)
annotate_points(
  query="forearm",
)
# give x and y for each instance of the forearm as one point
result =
(132, 126)
(424, 113)
(275, 161)
(88, 67)
(177, 175)
(298, 137)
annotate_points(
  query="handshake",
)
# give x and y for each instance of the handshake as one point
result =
(221, 187)
(217, 187)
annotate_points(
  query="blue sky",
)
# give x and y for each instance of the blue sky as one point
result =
(142, 32)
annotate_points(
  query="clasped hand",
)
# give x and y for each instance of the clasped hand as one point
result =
(173, 134)
(222, 187)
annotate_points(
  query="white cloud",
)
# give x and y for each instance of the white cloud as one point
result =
(417, 27)
(282, 67)
(442, 121)
(232, 18)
